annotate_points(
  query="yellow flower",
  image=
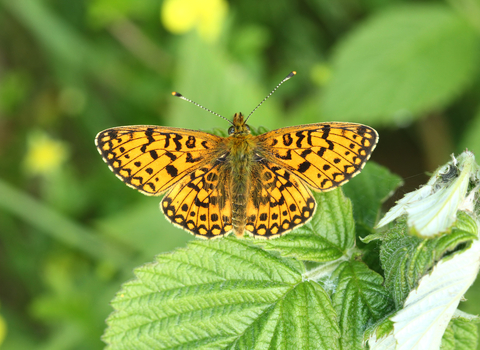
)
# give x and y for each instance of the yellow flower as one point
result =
(44, 154)
(207, 16)
(3, 329)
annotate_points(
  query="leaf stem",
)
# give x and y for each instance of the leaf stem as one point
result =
(60, 227)
(323, 270)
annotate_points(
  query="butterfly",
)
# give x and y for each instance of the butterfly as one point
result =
(242, 183)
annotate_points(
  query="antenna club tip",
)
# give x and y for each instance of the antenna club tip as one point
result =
(290, 75)
(174, 93)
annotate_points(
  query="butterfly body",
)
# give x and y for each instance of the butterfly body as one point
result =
(241, 182)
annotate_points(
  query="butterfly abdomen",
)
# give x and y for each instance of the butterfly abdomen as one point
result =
(241, 162)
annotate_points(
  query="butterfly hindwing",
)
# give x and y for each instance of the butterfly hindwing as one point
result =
(279, 202)
(150, 158)
(200, 203)
(323, 155)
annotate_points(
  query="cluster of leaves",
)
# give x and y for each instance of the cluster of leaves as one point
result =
(70, 233)
(310, 288)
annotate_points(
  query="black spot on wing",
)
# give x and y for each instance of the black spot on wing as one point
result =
(199, 203)
(326, 132)
(287, 139)
(303, 167)
(191, 142)
(362, 130)
(300, 137)
(171, 156)
(153, 154)
(305, 153)
(149, 135)
(287, 156)
(176, 140)
(171, 170)
(191, 159)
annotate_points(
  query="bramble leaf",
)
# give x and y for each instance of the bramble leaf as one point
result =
(359, 299)
(219, 294)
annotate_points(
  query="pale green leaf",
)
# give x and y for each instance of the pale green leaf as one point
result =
(432, 209)
(326, 237)
(425, 315)
(401, 63)
(221, 294)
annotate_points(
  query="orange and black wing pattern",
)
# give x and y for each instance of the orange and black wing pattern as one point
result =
(323, 155)
(201, 203)
(279, 203)
(151, 159)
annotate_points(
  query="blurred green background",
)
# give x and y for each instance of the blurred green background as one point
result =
(71, 233)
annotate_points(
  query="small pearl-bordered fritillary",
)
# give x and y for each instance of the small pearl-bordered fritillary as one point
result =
(241, 182)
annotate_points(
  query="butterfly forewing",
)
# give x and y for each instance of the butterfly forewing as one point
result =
(324, 155)
(200, 203)
(150, 158)
(279, 203)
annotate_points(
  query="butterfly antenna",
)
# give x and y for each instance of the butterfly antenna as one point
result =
(196, 104)
(270, 94)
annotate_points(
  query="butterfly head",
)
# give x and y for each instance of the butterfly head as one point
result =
(239, 127)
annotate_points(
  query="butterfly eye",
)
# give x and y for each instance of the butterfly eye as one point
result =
(231, 130)
(247, 127)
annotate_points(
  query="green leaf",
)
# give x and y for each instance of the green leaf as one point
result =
(461, 334)
(402, 62)
(326, 237)
(380, 329)
(221, 294)
(359, 299)
(405, 258)
(465, 223)
(369, 190)
(305, 318)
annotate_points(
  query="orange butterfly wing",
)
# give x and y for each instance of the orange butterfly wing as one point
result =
(323, 155)
(201, 203)
(151, 158)
(279, 202)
